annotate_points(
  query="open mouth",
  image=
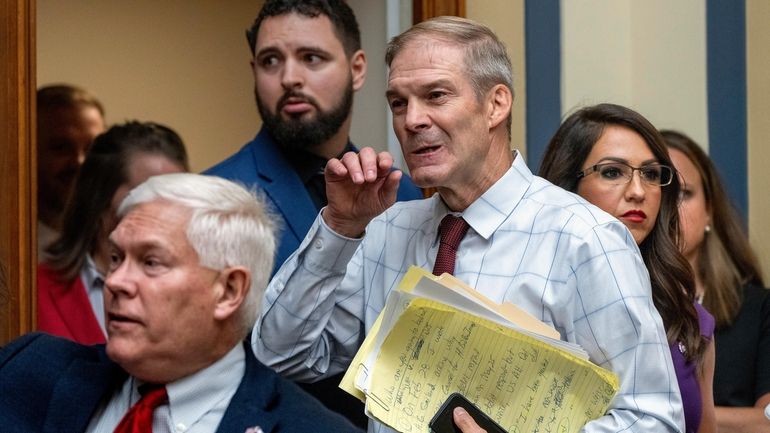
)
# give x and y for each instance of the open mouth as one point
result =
(427, 149)
(119, 318)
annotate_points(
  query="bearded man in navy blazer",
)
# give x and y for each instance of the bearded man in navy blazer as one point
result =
(307, 64)
(189, 263)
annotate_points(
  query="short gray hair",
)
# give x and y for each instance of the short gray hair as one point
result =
(486, 61)
(229, 226)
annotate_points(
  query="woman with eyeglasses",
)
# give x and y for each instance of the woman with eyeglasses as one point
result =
(615, 158)
(729, 283)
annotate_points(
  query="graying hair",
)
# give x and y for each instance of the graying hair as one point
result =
(486, 61)
(229, 226)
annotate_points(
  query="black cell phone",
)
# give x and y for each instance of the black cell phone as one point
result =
(443, 421)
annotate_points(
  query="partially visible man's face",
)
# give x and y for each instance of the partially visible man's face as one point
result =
(64, 137)
(159, 301)
(304, 83)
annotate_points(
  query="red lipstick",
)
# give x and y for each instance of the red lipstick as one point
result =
(635, 215)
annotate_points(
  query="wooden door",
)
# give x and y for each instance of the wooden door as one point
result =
(17, 167)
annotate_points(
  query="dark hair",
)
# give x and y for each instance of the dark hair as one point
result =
(727, 261)
(339, 13)
(58, 96)
(673, 288)
(102, 173)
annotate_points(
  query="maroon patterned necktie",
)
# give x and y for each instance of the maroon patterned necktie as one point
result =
(138, 419)
(452, 230)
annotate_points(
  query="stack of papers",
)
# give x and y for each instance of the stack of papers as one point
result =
(437, 336)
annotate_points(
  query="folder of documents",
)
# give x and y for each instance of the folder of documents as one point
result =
(437, 336)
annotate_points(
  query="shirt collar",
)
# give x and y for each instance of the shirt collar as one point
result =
(91, 277)
(488, 212)
(192, 397)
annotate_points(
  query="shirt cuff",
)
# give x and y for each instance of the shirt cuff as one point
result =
(328, 250)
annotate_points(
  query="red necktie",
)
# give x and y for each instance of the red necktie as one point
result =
(452, 230)
(138, 419)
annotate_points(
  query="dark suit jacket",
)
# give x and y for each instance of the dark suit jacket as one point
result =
(261, 163)
(49, 384)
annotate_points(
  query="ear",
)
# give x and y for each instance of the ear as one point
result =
(251, 66)
(233, 287)
(499, 102)
(358, 69)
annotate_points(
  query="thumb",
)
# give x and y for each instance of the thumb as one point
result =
(464, 420)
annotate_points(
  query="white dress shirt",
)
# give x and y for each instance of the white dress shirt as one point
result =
(93, 281)
(196, 403)
(531, 243)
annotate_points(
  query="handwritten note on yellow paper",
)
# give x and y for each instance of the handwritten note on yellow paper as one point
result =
(524, 384)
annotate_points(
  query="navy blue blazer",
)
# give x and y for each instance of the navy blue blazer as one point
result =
(49, 384)
(260, 163)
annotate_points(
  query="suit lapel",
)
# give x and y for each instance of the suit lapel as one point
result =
(249, 406)
(284, 187)
(81, 389)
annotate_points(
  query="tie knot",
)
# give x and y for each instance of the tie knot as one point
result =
(139, 417)
(153, 394)
(452, 230)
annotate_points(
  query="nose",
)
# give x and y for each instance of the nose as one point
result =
(291, 76)
(79, 144)
(81, 156)
(119, 281)
(416, 118)
(635, 188)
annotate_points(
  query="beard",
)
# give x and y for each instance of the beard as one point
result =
(296, 133)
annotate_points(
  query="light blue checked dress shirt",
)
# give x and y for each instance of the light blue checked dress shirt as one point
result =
(531, 243)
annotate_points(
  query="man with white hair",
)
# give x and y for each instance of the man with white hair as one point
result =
(190, 260)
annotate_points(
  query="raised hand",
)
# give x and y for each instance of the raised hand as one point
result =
(359, 187)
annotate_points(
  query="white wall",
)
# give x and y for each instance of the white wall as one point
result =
(370, 120)
(650, 56)
(758, 95)
(185, 64)
(506, 18)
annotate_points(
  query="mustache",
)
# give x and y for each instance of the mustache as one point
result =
(295, 95)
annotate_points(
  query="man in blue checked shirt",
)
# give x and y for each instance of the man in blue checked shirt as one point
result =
(548, 251)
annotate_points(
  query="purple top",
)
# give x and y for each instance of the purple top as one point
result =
(687, 375)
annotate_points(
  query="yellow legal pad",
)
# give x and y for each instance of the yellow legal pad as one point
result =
(434, 337)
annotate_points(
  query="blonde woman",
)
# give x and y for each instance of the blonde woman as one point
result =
(729, 283)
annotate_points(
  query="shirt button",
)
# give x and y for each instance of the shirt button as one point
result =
(318, 244)
(181, 427)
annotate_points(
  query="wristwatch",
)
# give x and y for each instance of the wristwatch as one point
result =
(767, 411)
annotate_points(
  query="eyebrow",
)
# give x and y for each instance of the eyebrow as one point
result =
(142, 246)
(425, 87)
(302, 49)
(112, 245)
(625, 161)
